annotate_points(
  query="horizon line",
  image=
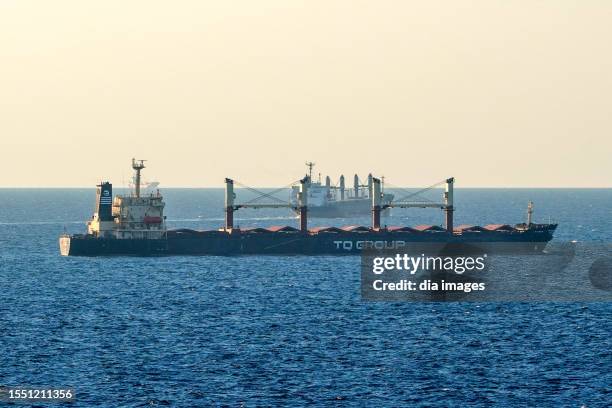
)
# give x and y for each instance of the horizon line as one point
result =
(274, 187)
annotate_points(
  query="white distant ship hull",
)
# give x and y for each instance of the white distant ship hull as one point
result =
(352, 207)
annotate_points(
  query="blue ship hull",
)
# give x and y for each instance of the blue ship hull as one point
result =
(189, 242)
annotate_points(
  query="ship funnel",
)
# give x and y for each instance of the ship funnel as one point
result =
(342, 188)
(327, 182)
(370, 185)
(356, 185)
(104, 201)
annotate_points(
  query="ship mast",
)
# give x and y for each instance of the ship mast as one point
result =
(310, 165)
(137, 165)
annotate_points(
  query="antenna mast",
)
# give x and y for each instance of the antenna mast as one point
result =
(137, 165)
(310, 165)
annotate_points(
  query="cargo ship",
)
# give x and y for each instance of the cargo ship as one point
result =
(336, 200)
(135, 224)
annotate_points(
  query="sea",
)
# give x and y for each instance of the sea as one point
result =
(191, 331)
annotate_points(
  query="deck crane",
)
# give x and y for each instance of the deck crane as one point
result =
(446, 205)
(231, 206)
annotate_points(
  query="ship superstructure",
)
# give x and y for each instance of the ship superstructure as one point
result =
(327, 200)
(134, 224)
(133, 216)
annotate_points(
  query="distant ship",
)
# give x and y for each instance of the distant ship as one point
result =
(134, 224)
(337, 201)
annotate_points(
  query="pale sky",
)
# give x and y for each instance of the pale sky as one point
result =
(494, 93)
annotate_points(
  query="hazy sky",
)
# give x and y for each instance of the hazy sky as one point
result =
(495, 93)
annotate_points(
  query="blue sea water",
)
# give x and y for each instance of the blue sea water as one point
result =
(270, 331)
